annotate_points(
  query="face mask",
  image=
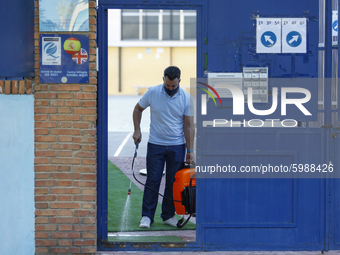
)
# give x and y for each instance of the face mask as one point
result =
(171, 92)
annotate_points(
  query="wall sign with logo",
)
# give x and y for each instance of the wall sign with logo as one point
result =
(64, 58)
(294, 35)
(334, 28)
(334, 23)
(268, 35)
(281, 35)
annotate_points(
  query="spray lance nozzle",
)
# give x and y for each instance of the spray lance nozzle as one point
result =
(129, 191)
(137, 144)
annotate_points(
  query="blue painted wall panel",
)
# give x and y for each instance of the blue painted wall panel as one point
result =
(246, 199)
(232, 44)
(17, 174)
(334, 198)
(17, 39)
(259, 213)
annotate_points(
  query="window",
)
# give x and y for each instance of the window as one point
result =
(130, 24)
(150, 24)
(190, 24)
(171, 25)
(158, 25)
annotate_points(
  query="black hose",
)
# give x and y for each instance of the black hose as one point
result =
(180, 223)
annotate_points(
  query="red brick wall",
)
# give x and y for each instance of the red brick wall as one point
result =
(65, 157)
(16, 87)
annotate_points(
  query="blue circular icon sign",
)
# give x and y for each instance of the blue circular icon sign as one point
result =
(294, 39)
(50, 49)
(268, 39)
(335, 26)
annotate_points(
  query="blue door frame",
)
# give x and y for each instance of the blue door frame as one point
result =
(304, 215)
(102, 140)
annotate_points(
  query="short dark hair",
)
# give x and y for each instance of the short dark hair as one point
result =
(172, 72)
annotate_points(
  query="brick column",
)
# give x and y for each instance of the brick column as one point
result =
(65, 157)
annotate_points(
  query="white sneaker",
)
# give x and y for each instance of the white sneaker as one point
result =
(145, 222)
(172, 222)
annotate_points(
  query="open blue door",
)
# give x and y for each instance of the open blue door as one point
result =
(240, 208)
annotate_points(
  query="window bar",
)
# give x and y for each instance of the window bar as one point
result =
(160, 25)
(321, 66)
(335, 62)
(181, 25)
(322, 6)
(140, 24)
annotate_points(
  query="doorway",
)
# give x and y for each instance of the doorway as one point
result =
(121, 92)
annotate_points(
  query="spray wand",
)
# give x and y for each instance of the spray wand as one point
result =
(180, 223)
(129, 192)
(133, 161)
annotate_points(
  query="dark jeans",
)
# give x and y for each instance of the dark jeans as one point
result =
(156, 156)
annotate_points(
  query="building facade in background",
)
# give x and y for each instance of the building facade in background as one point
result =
(142, 42)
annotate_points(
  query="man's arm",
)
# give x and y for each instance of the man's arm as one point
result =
(137, 116)
(189, 133)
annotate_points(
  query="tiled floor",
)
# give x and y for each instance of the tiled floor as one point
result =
(225, 253)
(185, 235)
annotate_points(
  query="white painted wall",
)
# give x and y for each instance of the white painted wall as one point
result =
(17, 174)
(114, 26)
(114, 35)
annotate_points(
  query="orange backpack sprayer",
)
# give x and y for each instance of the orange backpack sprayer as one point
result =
(184, 193)
(184, 190)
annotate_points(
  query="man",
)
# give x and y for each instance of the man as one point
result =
(171, 132)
